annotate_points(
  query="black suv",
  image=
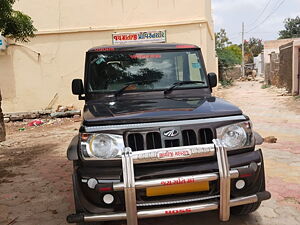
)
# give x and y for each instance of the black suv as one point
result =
(155, 142)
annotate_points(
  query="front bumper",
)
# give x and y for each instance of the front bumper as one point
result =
(168, 211)
(130, 185)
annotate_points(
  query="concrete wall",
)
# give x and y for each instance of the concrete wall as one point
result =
(273, 46)
(258, 61)
(286, 66)
(234, 73)
(283, 65)
(36, 74)
(272, 70)
(296, 68)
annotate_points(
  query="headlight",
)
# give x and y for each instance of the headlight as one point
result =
(104, 146)
(236, 136)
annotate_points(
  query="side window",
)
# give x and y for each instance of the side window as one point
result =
(194, 67)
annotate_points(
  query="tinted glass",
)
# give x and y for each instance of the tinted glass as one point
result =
(109, 72)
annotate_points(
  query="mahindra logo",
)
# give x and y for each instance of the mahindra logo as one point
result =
(171, 133)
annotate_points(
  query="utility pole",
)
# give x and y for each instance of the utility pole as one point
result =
(243, 50)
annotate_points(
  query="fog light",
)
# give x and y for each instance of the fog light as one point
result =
(108, 199)
(92, 183)
(240, 184)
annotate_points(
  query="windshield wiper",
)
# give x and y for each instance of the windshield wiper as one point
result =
(121, 91)
(180, 83)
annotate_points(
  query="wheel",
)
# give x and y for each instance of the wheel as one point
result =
(245, 209)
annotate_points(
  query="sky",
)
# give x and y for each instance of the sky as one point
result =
(263, 18)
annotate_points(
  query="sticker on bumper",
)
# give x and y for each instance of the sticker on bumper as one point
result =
(174, 154)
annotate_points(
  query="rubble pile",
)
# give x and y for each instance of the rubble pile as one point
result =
(60, 112)
(247, 78)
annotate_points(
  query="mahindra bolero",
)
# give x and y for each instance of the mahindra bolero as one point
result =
(155, 142)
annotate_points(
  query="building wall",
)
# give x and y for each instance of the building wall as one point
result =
(296, 68)
(286, 66)
(36, 74)
(258, 61)
(273, 46)
(234, 73)
(272, 70)
(287, 74)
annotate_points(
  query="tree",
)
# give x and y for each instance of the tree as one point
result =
(253, 48)
(221, 39)
(15, 25)
(237, 51)
(228, 55)
(292, 28)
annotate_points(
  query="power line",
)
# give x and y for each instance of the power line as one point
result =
(262, 12)
(281, 3)
(267, 17)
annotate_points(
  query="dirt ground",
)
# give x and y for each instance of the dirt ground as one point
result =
(35, 176)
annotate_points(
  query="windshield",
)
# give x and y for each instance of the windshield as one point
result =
(111, 71)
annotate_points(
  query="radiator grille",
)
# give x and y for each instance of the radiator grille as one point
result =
(206, 136)
(153, 140)
(189, 137)
(172, 143)
(136, 142)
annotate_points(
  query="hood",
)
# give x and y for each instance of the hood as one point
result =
(155, 110)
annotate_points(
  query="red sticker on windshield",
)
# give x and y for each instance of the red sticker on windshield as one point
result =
(153, 56)
(104, 49)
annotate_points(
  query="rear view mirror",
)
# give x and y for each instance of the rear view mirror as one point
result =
(77, 88)
(213, 81)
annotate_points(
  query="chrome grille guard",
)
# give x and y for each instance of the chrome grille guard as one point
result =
(129, 185)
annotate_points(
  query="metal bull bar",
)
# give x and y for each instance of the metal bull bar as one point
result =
(129, 158)
(129, 185)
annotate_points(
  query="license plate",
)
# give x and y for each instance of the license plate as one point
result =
(177, 189)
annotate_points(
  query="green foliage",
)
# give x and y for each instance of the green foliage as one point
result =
(237, 51)
(253, 48)
(292, 28)
(264, 86)
(14, 24)
(229, 55)
(227, 59)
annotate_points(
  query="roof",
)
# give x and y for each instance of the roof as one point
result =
(142, 47)
(277, 43)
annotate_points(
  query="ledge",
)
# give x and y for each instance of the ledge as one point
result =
(136, 26)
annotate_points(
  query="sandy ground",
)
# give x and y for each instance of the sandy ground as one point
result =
(35, 176)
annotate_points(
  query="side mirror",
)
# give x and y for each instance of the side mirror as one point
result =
(77, 88)
(213, 81)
